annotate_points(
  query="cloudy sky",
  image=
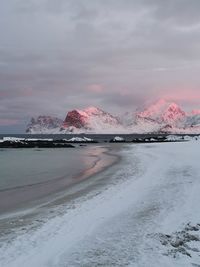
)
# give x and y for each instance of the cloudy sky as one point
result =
(56, 55)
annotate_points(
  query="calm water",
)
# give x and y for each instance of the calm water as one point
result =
(97, 137)
(30, 174)
(21, 167)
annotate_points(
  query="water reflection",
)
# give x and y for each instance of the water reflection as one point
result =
(34, 175)
(100, 160)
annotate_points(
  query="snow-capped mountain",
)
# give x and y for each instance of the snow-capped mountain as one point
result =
(44, 125)
(162, 112)
(160, 117)
(165, 116)
(92, 119)
(193, 120)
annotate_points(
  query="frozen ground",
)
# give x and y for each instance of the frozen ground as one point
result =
(148, 216)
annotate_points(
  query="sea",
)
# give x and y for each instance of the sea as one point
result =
(38, 187)
(30, 177)
(98, 137)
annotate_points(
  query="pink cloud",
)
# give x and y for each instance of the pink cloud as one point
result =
(183, 95)
(95, 88)
(7, 122)
(195, 112)
(23, 92)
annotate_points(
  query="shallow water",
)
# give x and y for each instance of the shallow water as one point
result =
(31, 166)
(30, 174)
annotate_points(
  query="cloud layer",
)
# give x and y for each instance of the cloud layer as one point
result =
(56, 55)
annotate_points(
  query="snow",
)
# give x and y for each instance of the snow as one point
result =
(183, 138)
(143, 126)
(92, 110)
(99, 121)
(19, 139)
(13, 139)
(89, 111)
(38, 129)
(79, 139)
(157, 194)
(118, 139)
(162, 111)
(88, 139)
(174, 138)
(40, 139)
(162, 116)
(192, 138)
(44, 124)
(82, 112)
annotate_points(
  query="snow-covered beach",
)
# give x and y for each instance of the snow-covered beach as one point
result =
(143, 211)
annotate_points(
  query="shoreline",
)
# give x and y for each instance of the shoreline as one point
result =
(132, 215)
(70, 140)
(56, 188)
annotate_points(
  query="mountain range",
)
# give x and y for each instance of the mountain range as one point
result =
(161, 117)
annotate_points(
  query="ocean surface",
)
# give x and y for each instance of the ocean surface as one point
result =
(30, 176)
(97, 137)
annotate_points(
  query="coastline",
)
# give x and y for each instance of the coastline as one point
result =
(31, 196)
(124, 220)
(34, 215)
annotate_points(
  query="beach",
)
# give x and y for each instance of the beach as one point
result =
(29, 177)
(128, 215)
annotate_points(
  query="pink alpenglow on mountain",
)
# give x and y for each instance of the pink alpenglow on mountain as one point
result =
(162, 111)
(161, 117)
(91, 119)
(75, 119)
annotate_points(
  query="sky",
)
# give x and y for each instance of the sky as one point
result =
(57, 55)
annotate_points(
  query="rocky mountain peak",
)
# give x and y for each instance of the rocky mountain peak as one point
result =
(161, 116)
(162, 111)
(75, 118)
(43, 123)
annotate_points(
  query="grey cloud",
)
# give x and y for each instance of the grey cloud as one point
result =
(182, 12)
(52, 50)
(123, 102)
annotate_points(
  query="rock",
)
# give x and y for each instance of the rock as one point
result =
(44, 124)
